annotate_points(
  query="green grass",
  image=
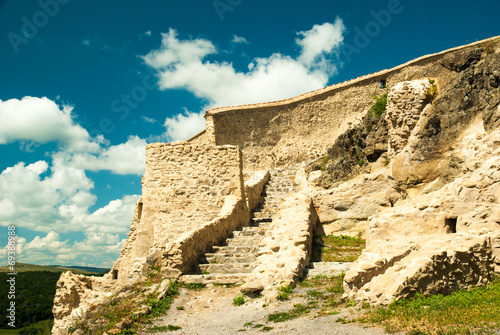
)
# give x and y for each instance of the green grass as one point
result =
(463, 312)
(172, 328)
(239, 301)
(285, 291)
(193, 286)
(324, 293)
(339, 249)
(298, 310)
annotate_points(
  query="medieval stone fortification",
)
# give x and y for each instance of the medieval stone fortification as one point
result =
(241, 201)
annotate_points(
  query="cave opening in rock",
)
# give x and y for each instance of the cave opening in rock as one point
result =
(450, 225)
(115, 274)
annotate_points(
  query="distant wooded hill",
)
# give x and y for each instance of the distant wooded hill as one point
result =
(23, 267)
(35, 290)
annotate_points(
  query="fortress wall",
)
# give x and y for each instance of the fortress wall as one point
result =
(254, 187)
(303, 127)
(201, 138)
(184, 187)
(185, 184)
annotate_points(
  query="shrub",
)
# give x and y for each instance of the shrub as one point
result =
(379, 106)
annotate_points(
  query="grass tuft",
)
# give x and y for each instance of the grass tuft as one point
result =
(339, 249)
(239, 301)
(193, 286)
(297, 311)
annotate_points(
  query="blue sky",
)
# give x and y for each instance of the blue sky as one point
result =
(84, 85)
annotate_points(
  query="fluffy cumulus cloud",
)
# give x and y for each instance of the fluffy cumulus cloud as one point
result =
(319, 44)
(54, 195)
(59, 201)
(21, 120)
(97, 249)
(182, 64)
(41, 120)
(124, 158)
(184, 126)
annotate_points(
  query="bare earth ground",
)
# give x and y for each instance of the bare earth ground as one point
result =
(211, 311)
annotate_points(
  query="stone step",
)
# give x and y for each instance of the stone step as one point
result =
(235, 249)
(243, 241)
(227, 268)
(327, 268)
(247, 232)
(263, 217)
(229, 254)
(230, 258)
(230, 278)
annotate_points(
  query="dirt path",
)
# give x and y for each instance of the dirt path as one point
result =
(211, 311)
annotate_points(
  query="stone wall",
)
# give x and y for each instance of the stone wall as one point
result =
(184, 187)
(254, 187)
(181, 253)
(303, 127)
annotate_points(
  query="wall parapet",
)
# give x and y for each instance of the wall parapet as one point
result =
(338, 86)
(180, 254)
(254, 187)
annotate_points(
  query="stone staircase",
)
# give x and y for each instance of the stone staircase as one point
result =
(233, 261)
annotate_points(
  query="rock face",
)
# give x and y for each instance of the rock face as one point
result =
(426, 264)
(75, 297)
(414, 168)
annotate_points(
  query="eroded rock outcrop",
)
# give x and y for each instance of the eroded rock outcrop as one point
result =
(426, 264)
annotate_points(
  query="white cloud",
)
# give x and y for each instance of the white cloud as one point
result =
(239, 40)
(124, 158)
(41, 120)
(56, 196)
(174, 51)
(181, 64)
(114, 217)
(59, 202)
(319, 43)
(183, 126)
(147, 33)
(86, 42)
(97, 249)
(148, 119)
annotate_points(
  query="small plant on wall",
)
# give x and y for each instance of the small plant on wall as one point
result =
(432, 90)
(379, 106)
